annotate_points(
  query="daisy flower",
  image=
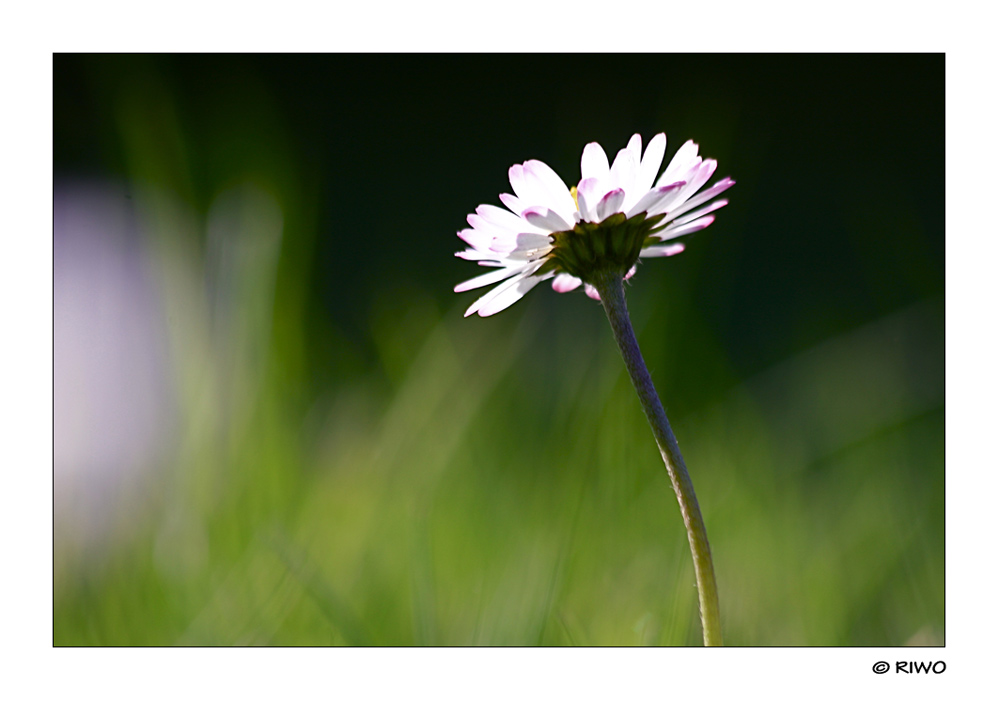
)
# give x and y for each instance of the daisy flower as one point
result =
(616, 214)
(593, 234)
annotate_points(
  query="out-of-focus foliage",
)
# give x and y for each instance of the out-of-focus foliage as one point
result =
(273, 426)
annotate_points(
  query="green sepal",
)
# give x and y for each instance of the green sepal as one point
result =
(611, 245)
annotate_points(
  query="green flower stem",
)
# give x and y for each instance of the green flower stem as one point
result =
(611, 288)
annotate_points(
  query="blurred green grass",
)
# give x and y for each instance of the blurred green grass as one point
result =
(486, 482)
(490, 495)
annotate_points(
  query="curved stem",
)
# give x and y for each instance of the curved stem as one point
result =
(611, 289)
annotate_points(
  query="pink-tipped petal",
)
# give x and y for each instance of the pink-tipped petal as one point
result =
(591, 292)
(699, 176)
(683, 160)
(688, 228)
(546, 219)
(672, 197)
(717, 204)
(699, 199)
(564, 282)
(662, 251)
(610, 204)
(653, 198)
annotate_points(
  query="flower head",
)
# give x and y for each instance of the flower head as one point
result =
(616, 214)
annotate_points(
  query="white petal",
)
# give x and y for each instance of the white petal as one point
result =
(675, 195)
(514, 204)
(487, 257)
(589, 192)
(623, 173)
(533, 241)
(717, 204)
(564, 282)
(653, 158)
(528, 188)
(688, 173)
(528, 256)
(487, 279)
(591, 292)
(699, 199)
(635, 146)
(522, 244)
(661, 251)
(546, 219)
(610, 204)
(515, 174)
(502, 245)
(559, 196)
(497, 231)
(703, 173)
(504, 295)
(502, 218)
(682, 161)
(688, 228)
(594, 162)
(695, 177)
(476, 239)
(493, 293)
(653, 198)
(527, 252)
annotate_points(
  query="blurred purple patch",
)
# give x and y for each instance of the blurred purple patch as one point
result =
(113, 401)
